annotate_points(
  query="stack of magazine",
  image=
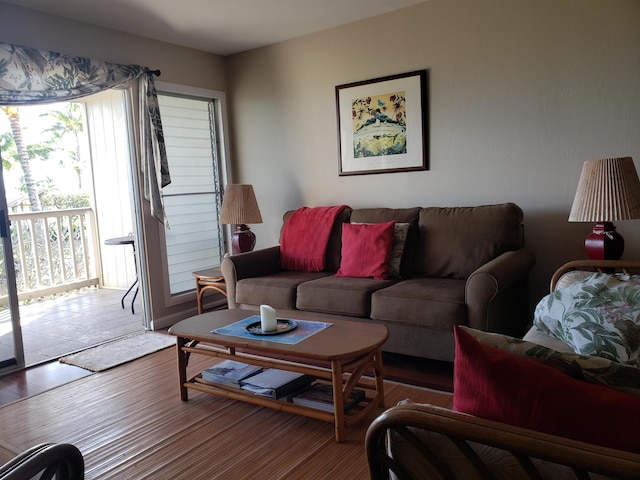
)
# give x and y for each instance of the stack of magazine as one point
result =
(229, 373)
(271, 382)
(276, 383)
(320, 396)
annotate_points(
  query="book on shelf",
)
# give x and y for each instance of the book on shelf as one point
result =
(229, 372)
(276, 383)
(320, 396)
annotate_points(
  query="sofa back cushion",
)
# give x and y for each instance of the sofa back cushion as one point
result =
(398, 215)
(332, 259)
(455, 241)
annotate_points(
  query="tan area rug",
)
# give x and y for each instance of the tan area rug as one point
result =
(122, 350)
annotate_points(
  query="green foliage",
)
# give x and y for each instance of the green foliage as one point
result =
(52, 201)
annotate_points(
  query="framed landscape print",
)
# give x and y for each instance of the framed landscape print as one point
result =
(382, 124)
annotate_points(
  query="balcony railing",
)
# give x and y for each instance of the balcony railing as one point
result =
(54, 251)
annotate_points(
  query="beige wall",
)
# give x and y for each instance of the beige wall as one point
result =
(521, 93)
(180, 65)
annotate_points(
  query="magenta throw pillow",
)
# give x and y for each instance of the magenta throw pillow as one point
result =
(366, 250)
(513, 389)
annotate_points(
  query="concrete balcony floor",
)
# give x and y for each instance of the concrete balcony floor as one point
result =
(72, 322)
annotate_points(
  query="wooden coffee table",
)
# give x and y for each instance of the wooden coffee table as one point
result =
(347, 354)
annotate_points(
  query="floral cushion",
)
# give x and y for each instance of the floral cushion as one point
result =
(596, 316)
(397, 250)
(581, 367)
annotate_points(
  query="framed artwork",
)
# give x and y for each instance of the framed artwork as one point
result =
(382, 124)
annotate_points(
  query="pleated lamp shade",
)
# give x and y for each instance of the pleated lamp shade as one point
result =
(608, 191)
(239, 207)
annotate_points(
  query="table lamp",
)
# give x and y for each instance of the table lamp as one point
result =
(608, 191)
(239, 207)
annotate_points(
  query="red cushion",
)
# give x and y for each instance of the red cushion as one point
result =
(513, 389)
(366, 249)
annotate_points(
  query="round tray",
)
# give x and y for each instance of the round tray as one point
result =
(283, 326)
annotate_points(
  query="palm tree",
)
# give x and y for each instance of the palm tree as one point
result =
(13, 113)
(68, 122)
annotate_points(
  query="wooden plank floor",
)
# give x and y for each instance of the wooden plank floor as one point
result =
(130, 423)
(38, 379)
(401, 368)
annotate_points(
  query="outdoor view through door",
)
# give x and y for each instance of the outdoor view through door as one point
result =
(74, 193)
(62, 205)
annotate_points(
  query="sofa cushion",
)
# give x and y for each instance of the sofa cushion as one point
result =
(400, 232)
(454, 242)
(339, 295)
(398, 215)
(598, 315)
(433, 302)
(500, 386)
(366, 249)
(277, 290)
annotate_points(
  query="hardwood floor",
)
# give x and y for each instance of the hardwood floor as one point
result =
(67, 319)
(129, 422)
(38, 379)
(401, 368)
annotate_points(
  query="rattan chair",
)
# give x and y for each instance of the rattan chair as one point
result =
(418, 441)
(61, 461)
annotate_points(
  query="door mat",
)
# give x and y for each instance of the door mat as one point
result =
(117, 352)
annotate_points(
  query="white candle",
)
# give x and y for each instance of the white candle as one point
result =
(268, 321)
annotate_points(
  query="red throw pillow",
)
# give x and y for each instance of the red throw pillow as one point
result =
(366, 249)
(498, 385)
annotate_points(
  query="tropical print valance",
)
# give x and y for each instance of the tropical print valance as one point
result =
(29, 76)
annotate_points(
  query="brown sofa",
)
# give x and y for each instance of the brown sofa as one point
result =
(461, 265)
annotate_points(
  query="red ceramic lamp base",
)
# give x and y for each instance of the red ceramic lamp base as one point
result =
(604, 243)
(243, 239)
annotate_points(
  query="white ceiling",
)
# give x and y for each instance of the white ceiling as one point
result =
(218, 26)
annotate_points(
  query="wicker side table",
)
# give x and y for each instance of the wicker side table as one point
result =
(209, 279)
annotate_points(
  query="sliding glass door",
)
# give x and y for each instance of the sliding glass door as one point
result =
(11, 348)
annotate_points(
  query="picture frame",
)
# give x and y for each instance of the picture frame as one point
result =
(383, 124)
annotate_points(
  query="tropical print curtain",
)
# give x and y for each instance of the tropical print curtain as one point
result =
(155, 169)
(29, 76)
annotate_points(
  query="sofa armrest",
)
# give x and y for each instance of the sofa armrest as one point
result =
(424, 441)
(246, 265)
(496, 294)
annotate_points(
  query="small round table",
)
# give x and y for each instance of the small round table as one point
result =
(209, 279)
(129, 240)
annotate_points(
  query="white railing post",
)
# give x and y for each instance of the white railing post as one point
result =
(35, 264)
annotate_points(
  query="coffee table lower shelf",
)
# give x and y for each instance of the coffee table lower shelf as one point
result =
(343, 376)
(351, 416)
